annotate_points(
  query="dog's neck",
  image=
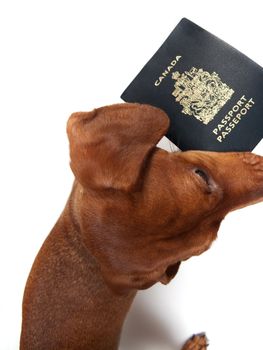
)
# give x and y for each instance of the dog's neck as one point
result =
(105, 309)
(68, 280)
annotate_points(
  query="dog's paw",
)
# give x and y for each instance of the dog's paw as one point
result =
(196, 342)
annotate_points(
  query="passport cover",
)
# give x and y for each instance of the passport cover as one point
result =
(212, 93)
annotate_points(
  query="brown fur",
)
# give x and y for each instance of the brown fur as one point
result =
(135, 212)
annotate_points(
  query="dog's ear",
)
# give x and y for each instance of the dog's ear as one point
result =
(109, 145)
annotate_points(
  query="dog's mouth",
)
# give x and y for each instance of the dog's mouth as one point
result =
(170, 273)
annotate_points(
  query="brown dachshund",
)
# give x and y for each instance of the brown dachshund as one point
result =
(135, 212)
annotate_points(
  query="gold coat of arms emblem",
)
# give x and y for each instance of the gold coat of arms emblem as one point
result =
(200, 93)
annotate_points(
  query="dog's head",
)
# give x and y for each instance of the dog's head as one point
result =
(143, 210)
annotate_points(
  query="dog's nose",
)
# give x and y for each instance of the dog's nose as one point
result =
(240, 175)
(253, 160)
(253, 164)
(248, 182)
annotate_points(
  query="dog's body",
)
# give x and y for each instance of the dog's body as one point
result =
(135, 212)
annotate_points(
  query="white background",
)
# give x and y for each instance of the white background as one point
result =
(62, 56)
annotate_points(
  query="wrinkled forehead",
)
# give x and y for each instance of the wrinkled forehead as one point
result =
(193, 158)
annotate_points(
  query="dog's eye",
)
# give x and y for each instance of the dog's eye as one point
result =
(203, 175)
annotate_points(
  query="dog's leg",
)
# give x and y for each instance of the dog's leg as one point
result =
(196, 342)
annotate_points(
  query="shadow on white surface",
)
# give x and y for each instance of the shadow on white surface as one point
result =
(144, 329)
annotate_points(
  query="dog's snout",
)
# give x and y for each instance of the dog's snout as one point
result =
(253, 160)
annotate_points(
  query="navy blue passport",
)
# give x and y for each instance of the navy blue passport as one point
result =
(212, 93)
